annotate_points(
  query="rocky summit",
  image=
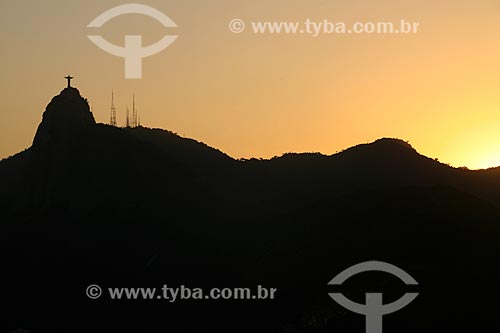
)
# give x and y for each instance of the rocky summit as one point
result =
(66, 116)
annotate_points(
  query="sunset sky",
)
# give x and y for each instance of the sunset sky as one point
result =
(261, 95)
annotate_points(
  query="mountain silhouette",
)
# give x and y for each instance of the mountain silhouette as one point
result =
(137, 207)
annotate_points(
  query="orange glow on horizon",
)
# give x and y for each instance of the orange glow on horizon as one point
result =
(264, 95)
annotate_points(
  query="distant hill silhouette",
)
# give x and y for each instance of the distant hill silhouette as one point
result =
(137, 207)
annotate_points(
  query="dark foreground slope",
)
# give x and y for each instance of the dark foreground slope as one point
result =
(90, 203)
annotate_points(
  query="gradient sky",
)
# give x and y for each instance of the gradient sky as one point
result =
(263, 95)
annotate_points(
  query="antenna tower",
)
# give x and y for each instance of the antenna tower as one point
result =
(112, 121)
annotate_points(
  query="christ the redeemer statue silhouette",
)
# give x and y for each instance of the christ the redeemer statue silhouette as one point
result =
(69, 78)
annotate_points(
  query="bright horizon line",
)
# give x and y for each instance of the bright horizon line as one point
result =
(274, 155)
(290, 152)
